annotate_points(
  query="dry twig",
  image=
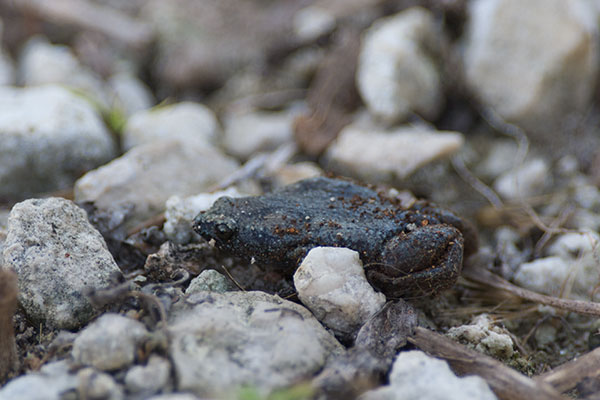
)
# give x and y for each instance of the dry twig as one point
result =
(568, 375)
(486, 277)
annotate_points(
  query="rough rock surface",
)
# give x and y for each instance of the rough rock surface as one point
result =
(57, 254)
(397, 72)
(416, 375)
(223, 341)
(535, 82)
(387, 155)
(484, 336)
(109, 343)
(331, 282)
(49, 137)
(188, 121)
(147, 175)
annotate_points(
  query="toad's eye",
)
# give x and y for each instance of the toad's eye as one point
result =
(225, 230)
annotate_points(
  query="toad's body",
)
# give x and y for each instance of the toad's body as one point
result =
(405, 251)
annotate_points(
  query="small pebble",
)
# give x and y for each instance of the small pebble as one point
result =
(397, 72)
(109, 343)
(187, 121)
(374, 154)
(331, 282)
(485, 337)
(211, 281)
(416, 375)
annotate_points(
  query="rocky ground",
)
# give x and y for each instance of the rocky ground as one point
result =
(121, 121)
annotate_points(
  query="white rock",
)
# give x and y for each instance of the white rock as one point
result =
(147, 175)
(44, 63)
(291, 173)
(533, 61)
(396, 72)
(49, 137)
(388, 155)
(500, 158)
(190, 122)
(570, 271)
(331, 282)
(180, 213)
(57, 254)
(97, 385)
(109, 343)
(484, 336)
(150, 378)
(50, 383)
(223, 341)
(212, 281)
(311, 22)
(129, 94)
(246, 133)
(526, 180)
(416, 375)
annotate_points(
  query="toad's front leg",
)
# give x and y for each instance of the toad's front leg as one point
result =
(420, 262)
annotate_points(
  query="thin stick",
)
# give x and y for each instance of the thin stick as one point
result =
(568, 375)
(485, 277)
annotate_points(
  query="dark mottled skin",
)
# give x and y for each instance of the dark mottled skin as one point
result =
(406, 252)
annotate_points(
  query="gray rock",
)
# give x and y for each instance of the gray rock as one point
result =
(129, 94)
(98, 385)
(180, 213)
(220, 37)
(397, 72)
(49, 137)
(374, 154)
(211, 281)
(312, 22)
(50, 383)
(109, 343)
(57, 254)
(248, 132)
(524, 181)
(147, 175)
(222, 341)
(331, 282)
(539, 81)
(44, 63)
(187, 121)
(569, 270)
(416, 375)
(150, 378)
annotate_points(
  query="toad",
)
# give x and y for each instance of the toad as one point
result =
(406, 252)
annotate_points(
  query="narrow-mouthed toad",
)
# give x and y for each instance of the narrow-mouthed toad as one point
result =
(406, 252)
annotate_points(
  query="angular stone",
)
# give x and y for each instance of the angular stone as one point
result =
(57, 254)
